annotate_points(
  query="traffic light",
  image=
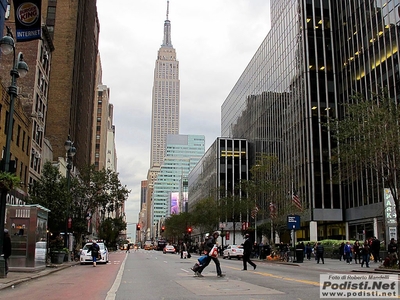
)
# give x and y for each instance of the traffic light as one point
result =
(189, 230)
(162, 229)
(138, 227)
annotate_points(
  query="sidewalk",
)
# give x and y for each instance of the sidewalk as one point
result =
(335, 265)
(14, 278)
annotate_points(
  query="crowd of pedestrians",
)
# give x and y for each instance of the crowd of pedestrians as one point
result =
(369, 250)
(358, 252)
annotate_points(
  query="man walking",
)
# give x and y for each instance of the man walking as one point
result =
(320, 252)
(347, 252)
(247, 245)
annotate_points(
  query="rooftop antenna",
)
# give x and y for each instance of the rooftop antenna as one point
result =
(167, 9)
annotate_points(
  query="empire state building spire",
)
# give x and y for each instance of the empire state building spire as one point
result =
(167, 30)
(165, 98)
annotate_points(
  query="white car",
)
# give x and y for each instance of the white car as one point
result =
(169, 249)
(233, 251)
(86, 257)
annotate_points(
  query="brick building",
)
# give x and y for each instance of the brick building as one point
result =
(74, 27)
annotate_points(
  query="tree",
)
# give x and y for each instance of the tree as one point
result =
(176, 226)
(205, 215)
(368, 139)
(268, 187)
(235, 208)
(109, 230)
(92, 191)
(9, 181)
(50, 192)
(97, 191)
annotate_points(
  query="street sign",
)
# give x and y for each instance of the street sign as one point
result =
(293, 222)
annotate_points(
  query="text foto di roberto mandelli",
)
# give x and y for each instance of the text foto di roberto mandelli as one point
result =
(365, 285)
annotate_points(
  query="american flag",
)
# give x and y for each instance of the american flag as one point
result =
(272, 210)
(254, 212)
(296, 200)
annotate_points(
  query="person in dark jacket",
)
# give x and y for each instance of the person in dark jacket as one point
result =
(356, 252)
(208, 245)
(6, 248)
(308, 251)
(392, 253)
(374, 248)
(341, 252)
(392, 248)
(320, 252)
(365, 253)
(95, 250)
(247, 246)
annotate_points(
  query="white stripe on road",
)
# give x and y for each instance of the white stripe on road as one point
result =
(111, 293)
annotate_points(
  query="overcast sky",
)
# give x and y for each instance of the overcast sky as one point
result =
(214, 41)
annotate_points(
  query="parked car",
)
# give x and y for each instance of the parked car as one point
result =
(86, 257)
(233, 251)
(169, 249)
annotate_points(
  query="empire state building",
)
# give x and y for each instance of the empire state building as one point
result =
(165, 97)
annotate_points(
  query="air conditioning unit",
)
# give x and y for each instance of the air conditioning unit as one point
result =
(39, 115)
(40, 129)
(37, 155)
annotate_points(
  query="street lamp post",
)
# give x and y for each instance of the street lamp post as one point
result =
(71, 151)
(222, 227)
(19, 69)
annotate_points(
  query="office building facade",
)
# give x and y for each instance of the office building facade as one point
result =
(317, 55)
(182, 154)
(74, 28)
(224, 165)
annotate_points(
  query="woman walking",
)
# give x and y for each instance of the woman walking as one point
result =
(365, 252)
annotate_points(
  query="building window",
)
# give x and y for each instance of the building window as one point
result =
(23, 141)
(18, 135)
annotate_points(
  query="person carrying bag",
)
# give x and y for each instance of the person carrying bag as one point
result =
(209, 247)
(214, 251)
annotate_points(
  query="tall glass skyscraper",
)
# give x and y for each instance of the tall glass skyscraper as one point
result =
(183, 152)
(317, 54)
(165, 98)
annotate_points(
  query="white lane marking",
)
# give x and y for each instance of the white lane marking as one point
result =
(185, 270)
(112, 292)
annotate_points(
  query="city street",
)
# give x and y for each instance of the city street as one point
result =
(154, 275)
